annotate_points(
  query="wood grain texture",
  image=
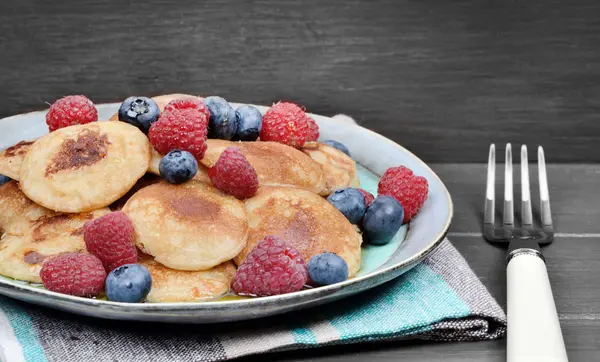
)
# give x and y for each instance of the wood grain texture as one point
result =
(443, 78)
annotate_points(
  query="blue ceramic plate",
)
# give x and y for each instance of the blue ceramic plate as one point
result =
(373, 154)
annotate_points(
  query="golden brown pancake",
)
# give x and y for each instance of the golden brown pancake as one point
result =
(339, 170)
(192, 226)
(32, 234)
(170, 285)
(201, 175)
(12, 157)
(161, 101)
(305, 220)
(84, 167)
(276, 164)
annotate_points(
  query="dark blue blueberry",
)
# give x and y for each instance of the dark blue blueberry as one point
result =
(249, 123)
(382, 220)
(178, 166)
(140, 112)
(327, 268)
(4, 179)
(223, 121)
(350, 202)
(129, 283)
(339, 146)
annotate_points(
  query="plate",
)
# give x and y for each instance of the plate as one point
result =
(373, 154)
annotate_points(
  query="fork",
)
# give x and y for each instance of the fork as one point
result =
(534, 332)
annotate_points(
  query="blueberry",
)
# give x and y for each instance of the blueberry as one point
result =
(249, 123)
(350, 202)
(140, 112)
(129, 283)
(223, 121)
(178, 166)
(382, 220)
(339, 146)
(327, 268)
(4, 179)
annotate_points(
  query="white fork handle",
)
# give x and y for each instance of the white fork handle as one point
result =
(534, 333)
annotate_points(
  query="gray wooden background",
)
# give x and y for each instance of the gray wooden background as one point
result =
(444, 78)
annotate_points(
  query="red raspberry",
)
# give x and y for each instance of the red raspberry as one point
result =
(183, 129)
(368, 196)
(313, 130)
(111, 239)
(233, 174)
(76, 274)
(188, 103)
(71, 110)
(285, 123)
(271, 268)
(410, 190)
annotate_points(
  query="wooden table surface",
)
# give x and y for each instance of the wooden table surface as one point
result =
(573, 262)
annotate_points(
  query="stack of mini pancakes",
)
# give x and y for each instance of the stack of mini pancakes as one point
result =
(190, 236)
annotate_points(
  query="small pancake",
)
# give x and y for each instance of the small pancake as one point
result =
(170, 285)
(339, 170)
(84, 167)
(161, 101)
(192, 226)
(305, 220)
(201, 175)
(276, 164)
(11, 159)
(30, 238)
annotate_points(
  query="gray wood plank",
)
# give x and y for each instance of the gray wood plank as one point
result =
(444, 78)
(573, 193)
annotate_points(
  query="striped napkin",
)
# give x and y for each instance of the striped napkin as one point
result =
(440, 299)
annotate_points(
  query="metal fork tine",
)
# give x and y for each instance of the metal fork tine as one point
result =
(546, 214)
(508, 216)
(490, 208)
(526, 217)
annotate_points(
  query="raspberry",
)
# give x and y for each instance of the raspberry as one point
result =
(188, 103)
(76, 274)
(71, 110)
(313, 130)
(271, 268)
(182, 129)
(410, 190)
(285, 123)
(111, 239)
(368, 196)
(233, 174)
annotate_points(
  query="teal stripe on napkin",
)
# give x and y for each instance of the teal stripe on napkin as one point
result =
(23, 330)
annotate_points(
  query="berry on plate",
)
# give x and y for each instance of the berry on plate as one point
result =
(350, 202)
(368, 196)
(313, 130)
(223, 120)
(178, 166)
(382, 220)
(180, 129)
(271, 268)
(3, 179)
(249, 124)
(140, 112)
(410, 190)
(71, 110)
(327, 268)
(188, 103)
(285, 123)
(337, 145)
(111, 239)
(76, 274)
(129, 283)
(233, 174)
